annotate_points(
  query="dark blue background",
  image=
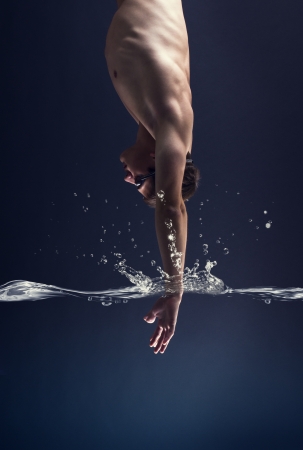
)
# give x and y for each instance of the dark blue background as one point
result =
(75, 374)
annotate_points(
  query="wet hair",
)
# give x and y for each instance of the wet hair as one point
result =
(189, 184)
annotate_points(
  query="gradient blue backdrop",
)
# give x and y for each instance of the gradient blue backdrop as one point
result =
(77, 375)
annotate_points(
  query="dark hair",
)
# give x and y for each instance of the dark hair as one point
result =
(189, 185)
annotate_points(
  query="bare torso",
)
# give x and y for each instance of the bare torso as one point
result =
(148, 58)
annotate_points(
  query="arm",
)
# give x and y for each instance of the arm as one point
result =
(173, 141)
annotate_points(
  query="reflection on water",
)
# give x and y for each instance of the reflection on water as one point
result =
(194, 281)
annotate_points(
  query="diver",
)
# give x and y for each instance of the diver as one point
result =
(147, 56)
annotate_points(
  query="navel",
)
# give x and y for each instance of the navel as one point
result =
(115, 74)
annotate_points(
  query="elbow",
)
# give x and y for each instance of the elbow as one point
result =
(175, 210)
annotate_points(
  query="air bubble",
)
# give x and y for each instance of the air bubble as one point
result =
(88, 195)
(250, 220)
(267, 301)
(75, 194)
(218, 241)
(153, 263)
(106, 200)
(119, 232)
(142, 222)
(118, 255)
(135, 246)
(132, 239)
(201, 203)
(257, 227)
(200, 235)
(226, 251)
(268, 225)
(91, 255)
(265, 212)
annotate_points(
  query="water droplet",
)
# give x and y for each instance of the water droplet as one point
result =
(119, 232)
(104, 231)
(128, 223)
(201, 203)
(153, 263)
(91, 255)
(265, 212)
(250, 220)
(113, 224)
(257, 227)
(218, 241)
(101, 240)
(226, 251)
(106, 200)
(135, 246)
(148, 251)
(83, 255)
(132, 239)
(200, 218)
(267, 301)
(268, 225)
(207, 200)
(142, 222)
(75, 194)
(118, 255)
(141, 256)
(232, 234)
(200, 235)
(238, 193)
(103, 259)
(161, 194)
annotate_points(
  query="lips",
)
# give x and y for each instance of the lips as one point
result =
(128, 175)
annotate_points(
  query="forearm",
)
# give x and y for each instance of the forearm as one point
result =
(171, 229)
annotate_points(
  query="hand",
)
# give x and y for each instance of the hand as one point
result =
(166, 310)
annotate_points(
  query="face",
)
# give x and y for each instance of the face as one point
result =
(136, 162)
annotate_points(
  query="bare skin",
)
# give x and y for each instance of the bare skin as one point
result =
(148, 61)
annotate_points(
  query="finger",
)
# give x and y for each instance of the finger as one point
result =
(163, 348)
(150, 317)
(168, 335)
(159, 343)
(154, 339)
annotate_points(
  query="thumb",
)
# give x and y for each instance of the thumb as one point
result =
(150, 317)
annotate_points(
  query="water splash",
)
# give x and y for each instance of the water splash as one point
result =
(194, 282)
